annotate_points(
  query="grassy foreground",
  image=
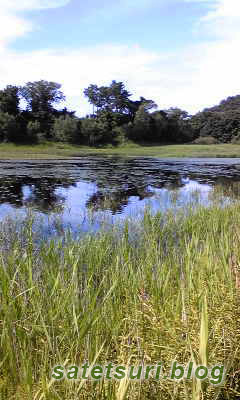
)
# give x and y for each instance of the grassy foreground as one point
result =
(54, 151)
(169, 289)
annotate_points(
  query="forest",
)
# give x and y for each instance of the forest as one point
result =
(32, 114)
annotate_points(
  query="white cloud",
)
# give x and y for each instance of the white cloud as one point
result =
(77, 69)
(16, 5)
(223, 9)
(193, 79)
(12, 25)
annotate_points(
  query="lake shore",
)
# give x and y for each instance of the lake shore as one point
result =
(57, 151)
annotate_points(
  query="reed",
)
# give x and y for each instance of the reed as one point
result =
(163, 289)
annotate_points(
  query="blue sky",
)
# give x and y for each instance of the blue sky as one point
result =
(163, 25)
(177, 52)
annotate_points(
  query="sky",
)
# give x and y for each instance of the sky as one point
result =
(179, 53)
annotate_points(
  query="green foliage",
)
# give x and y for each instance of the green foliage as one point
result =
(232, 103)
(221, 122)
(116, 99)
(9, 128)
(9, 100)
(115, 118)
(179, 128)
(172, 126)
(66, 129)
(161, 289)
(103, 129)
(205, 140)
(90, 131)
(40, 97)
(106, 123)
(142, 125)
(34, 131)
(113, 98)
(119, 135)
(236, 139)
(160, 126)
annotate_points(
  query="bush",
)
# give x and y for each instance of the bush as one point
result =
(91, 133)
(66, 129)
(33, 131)
(223, 126)
(142, 125)
(119, 135)
(205, 140)
(236, 139)
(102, 130)
(9, 128)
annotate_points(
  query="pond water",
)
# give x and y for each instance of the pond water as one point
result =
(111, 187)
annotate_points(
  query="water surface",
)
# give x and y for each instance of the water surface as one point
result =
(112, 187)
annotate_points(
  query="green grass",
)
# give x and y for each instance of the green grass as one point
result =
(165, 289)
(56, 151)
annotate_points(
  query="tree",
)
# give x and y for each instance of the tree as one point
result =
(180, 129)
(160, 126)
(9, 128)
(64, 112)
(119, 97)
(114, 98)
(66, 129)
(40, 97)
(133, 106)
(33, 131)
(93, 94)
(90, 131)
(9, 100)
(222, 122)
(142, 125)
(177, 114)
(232, 103)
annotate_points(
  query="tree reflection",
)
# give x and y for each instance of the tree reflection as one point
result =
(40, 194)
(11, 191)
(115, 201)
(117, 181)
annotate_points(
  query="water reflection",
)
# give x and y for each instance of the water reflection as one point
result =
(39, 194)
(113, 185)
(116, 201)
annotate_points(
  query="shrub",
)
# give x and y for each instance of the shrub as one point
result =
(91, 133)
(119, 135)
(34, 131)
(142, 125)
(236, 139)
(205, 140)
(66, 129)
(102, 130)
(9, 128)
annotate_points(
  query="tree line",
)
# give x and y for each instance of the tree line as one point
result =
(28, 114)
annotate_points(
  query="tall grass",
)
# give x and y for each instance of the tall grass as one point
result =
(171, 294)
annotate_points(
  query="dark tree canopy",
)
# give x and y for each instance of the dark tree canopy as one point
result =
(116, 118)
(222, 122)
(9, 100)
(42, 95)
(232, 103)
(116, 99)
(177, 114)
(113, 98)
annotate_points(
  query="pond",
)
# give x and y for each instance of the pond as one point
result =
(110, 187)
